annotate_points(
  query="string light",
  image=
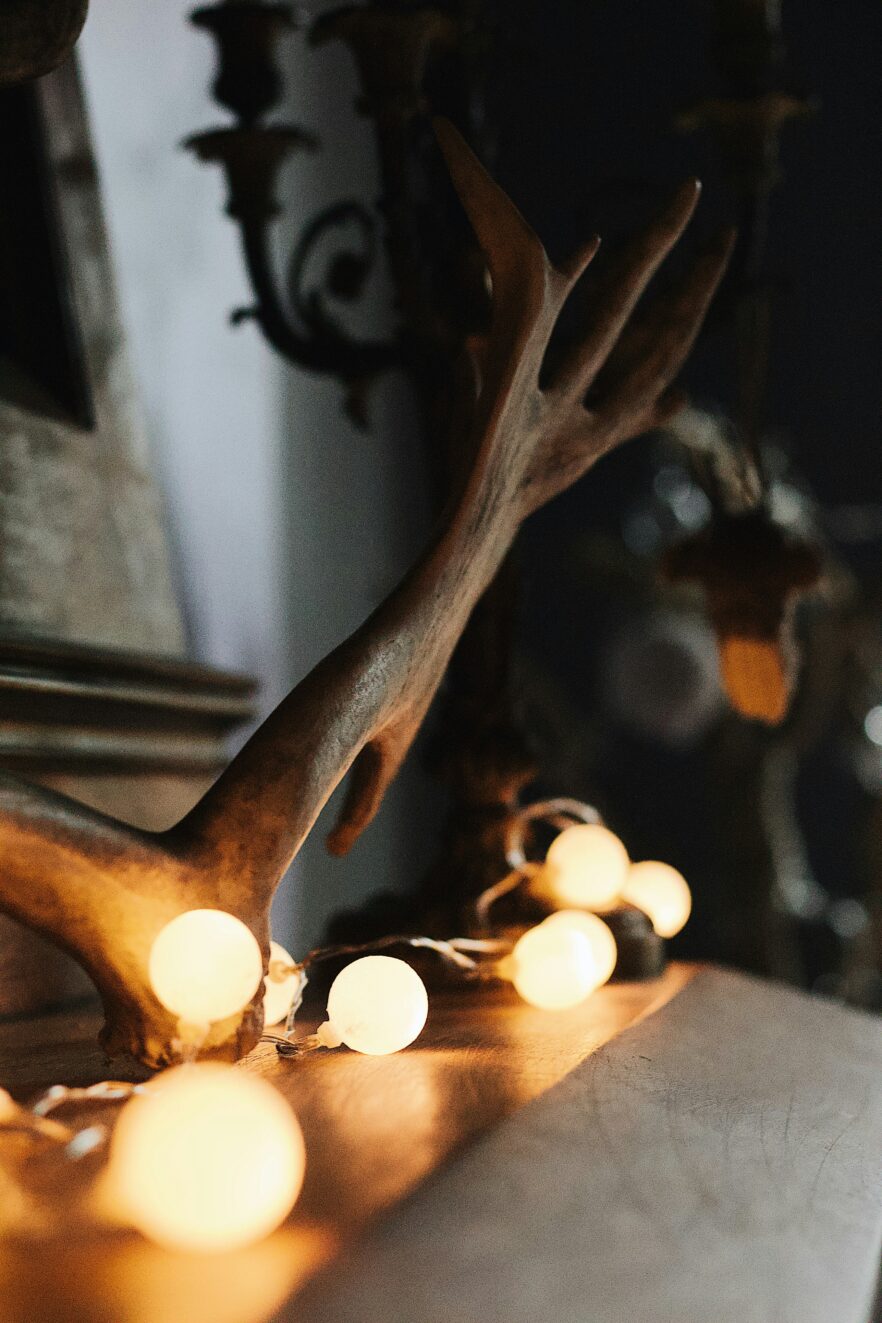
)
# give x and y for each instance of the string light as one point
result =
(552, 967)
(376, 1005)
(207, 1159)
(282, 985)
(205, 965)
(662, 893)
(598, 936)
(586, 867)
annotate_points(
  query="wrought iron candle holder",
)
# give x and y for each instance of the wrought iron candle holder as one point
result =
(298, 322)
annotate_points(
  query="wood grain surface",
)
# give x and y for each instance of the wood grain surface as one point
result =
(375, 1128)
(718, 1163)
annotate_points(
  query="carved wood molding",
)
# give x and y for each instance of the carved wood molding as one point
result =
(70, 708)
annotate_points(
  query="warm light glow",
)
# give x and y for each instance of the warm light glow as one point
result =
(207, 1159)
(586, 867)
(598, 935)
(873, 725)
(662, 893)
(279, 993)
(377, 1005)
(205, 965)
(755, 676)
(552, 967)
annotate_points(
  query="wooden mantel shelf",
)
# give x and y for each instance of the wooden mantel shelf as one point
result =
(701, 1149)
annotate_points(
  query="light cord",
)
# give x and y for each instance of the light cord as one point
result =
(458, 952)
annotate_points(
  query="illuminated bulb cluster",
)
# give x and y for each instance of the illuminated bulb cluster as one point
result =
(376, 1005)
(205, 965)
(209, 1158)
(560, 962)
(206, 1159)
(587, 868)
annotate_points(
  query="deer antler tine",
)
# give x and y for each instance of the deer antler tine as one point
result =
(515, 254)
(575, 266)
(653, 351)
(626, 286)
(372, 773)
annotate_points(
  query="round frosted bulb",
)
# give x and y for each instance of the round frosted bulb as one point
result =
(205, 965)
(586, 867)
(377, 1005)
(207, 1159)
(553, 968)
(279, 993)
(662, 893)
(598, 936)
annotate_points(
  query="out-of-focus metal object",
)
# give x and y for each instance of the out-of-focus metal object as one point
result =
(752, 575)
(36, 36)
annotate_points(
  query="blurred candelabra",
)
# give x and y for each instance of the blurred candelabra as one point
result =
(435, 269)
(412, 60)
(297, 321)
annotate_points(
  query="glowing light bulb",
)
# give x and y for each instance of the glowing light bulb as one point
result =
(376, 1005)
(207, 1159)
(586, 867)
(662, 893)
(280, 991)
(598, 935)
(205, 965)
(552, 967)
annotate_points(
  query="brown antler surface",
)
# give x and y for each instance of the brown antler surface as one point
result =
(103, 890)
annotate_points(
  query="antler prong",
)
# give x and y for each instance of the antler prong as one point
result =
(626, 286)
(512, 248)
(578, 263)
(103, 890)
(653, 350)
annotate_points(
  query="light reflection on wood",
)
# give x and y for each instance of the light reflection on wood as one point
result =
(375, 1128)
(125, 1280)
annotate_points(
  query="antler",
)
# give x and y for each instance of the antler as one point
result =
(103, 890)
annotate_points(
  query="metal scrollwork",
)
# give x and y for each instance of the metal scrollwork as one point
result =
(297, 320)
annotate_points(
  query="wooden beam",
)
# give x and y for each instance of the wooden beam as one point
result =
(375, 1127)
(720, 1161)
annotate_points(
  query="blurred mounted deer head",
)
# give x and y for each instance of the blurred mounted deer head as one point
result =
(103, 890)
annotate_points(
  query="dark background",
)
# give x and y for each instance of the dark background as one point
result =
(584, 99)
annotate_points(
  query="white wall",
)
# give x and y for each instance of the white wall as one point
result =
(287, 525)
